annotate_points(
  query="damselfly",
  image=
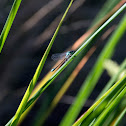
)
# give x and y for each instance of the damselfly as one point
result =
(65, 55)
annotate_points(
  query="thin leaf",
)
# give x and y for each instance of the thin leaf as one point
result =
(9, 23)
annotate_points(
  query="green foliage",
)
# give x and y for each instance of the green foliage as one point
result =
(8, 23)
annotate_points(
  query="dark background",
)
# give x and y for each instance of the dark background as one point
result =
(25, 47)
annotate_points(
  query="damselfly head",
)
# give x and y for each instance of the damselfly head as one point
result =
(70, 53)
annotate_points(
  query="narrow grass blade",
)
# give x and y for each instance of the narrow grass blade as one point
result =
(94, 75)
(37, 73)
(9, 23)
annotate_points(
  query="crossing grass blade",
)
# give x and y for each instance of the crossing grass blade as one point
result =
(9, 23)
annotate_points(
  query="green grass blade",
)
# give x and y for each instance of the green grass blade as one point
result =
(108, 95)
(113, 79)
(9, 23)
(93, 77)
(37, 73)
(110, 108)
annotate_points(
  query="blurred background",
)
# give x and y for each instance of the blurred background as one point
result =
(29, 36)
